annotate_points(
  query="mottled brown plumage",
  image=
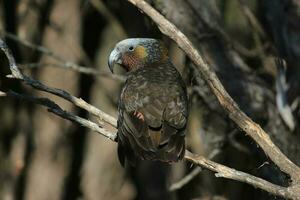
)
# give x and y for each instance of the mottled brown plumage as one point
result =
(153, 103)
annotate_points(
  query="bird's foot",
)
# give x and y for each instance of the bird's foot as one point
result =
(139, 115)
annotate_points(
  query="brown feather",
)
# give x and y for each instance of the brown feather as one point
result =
(160, 96)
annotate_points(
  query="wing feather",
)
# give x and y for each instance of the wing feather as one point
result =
(163, 104)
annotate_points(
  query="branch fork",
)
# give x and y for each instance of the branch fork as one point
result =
(230, 106)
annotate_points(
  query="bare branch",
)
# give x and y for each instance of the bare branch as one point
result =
(230, 106)
(220, 31)
(58, 92)
(107, 74)
(222, 171)
(62, 62)
(185, 180)
(2, 94)
(56, 109)
(251, 18)
(229, 173)
(209, 75)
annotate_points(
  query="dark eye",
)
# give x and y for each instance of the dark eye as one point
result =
(131, 48)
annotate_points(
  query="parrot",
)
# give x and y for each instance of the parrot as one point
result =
(153, 103)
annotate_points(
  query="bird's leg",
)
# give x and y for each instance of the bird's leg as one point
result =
(139, 115)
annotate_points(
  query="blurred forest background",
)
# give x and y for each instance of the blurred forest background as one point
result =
(43, 157)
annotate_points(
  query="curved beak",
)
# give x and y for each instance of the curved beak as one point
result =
(114, 57)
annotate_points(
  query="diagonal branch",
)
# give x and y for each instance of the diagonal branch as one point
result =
(57, 110)
(229, 173)
(230, 106)
(221, 170)
(46, 51)
(62, 63)
(185, 180)
(58, 92)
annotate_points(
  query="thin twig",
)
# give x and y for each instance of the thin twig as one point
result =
(56, 109)
(107, 74)
(62, 62)
(220, 31)
(222, 171)
(185, 180)
(2, 94)
(251, 18)
(58, 92)
(230, 106)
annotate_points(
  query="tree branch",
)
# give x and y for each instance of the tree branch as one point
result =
(62, 63)
(229, 173)
(58, 92)
(57, 110)
(230, 106)
(185, 180)
(221, 170)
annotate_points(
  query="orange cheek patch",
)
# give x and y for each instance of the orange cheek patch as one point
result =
(129, 61)
(140, 52)
(134, 59)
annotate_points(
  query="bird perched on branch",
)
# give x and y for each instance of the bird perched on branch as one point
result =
(153, 105)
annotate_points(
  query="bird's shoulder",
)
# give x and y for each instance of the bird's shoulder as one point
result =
(161, 77)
